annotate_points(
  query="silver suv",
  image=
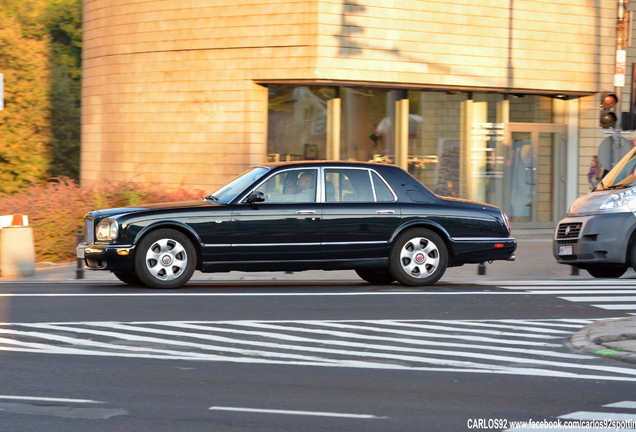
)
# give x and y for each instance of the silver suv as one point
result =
(599, 232)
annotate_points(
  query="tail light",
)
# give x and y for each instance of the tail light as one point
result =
(506, 222)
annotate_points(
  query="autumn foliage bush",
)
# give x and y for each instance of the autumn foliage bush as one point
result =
(56, 209)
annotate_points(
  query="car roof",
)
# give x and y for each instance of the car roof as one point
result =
(317, 163)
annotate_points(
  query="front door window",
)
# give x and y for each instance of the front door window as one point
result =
(293, 186)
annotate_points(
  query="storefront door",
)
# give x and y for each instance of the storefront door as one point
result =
(535, 167)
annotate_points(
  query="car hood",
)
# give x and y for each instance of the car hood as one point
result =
(113, 212)
(590, 203)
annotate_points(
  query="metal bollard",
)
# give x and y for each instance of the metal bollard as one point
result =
(79, 272)
(575, 271)
(481, 269)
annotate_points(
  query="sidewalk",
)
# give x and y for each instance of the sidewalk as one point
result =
(613, 338)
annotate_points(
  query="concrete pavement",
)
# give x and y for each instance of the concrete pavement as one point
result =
(613, 338)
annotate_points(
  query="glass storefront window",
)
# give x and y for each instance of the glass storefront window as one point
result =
(297, 122)
(457, 148)
(434, 140)
(484, 147)
(366, 134)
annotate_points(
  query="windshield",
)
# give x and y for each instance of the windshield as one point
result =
(622, 175)
(228, 192)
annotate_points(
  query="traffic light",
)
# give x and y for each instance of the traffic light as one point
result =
(608, 118)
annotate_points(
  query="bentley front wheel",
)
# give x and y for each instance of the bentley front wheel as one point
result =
(165, 258)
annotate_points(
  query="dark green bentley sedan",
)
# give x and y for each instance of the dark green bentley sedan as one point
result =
(373, 218)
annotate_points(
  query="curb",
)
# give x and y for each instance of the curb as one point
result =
(604, 339)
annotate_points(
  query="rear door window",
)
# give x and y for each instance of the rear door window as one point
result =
(348, 185)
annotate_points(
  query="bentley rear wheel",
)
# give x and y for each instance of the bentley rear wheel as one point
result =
(418, 257)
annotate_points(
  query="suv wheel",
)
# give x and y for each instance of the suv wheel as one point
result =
(605, 271)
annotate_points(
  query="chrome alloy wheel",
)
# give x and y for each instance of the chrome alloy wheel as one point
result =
(166, 259)
(420, 257)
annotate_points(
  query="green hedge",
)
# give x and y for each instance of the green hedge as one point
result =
(56, 209)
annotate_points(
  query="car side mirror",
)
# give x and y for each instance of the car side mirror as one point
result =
(255, 197)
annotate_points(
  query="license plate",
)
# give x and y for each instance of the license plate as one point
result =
(80, 252)
(565, 250)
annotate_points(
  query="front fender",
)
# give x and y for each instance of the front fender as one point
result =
(137, 231)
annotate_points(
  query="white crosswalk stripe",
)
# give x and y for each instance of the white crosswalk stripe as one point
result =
(609, 418)
(618, 295)
(513, 346)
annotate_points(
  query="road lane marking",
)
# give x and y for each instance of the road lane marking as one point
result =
(624, 404)
(286, 294)
(47, 399)
(600, 298)
(616, 306)
(301, 413)
(584, 291)
(551, 283)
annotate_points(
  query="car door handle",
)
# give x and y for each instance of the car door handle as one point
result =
(306, 212)
(385, 212)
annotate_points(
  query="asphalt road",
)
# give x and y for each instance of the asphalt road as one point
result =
(301, 356)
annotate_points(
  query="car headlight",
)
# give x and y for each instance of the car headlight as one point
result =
(618, 200)
(107, 230)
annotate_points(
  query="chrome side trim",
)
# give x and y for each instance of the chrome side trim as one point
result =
(494, 239)
(274, 244)
(355, 243)
(296, 244)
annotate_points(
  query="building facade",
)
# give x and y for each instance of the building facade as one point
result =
(489, 100)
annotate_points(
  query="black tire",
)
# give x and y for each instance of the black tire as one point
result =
(376, 277)
(418, 257)
(606, 271)
(128, 278)
(165, 258)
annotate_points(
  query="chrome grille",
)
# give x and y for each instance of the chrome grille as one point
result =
(89, 230)
(570, 230)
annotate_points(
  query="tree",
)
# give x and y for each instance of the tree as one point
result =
(25, 121)
(40, 57)
(64, 24)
